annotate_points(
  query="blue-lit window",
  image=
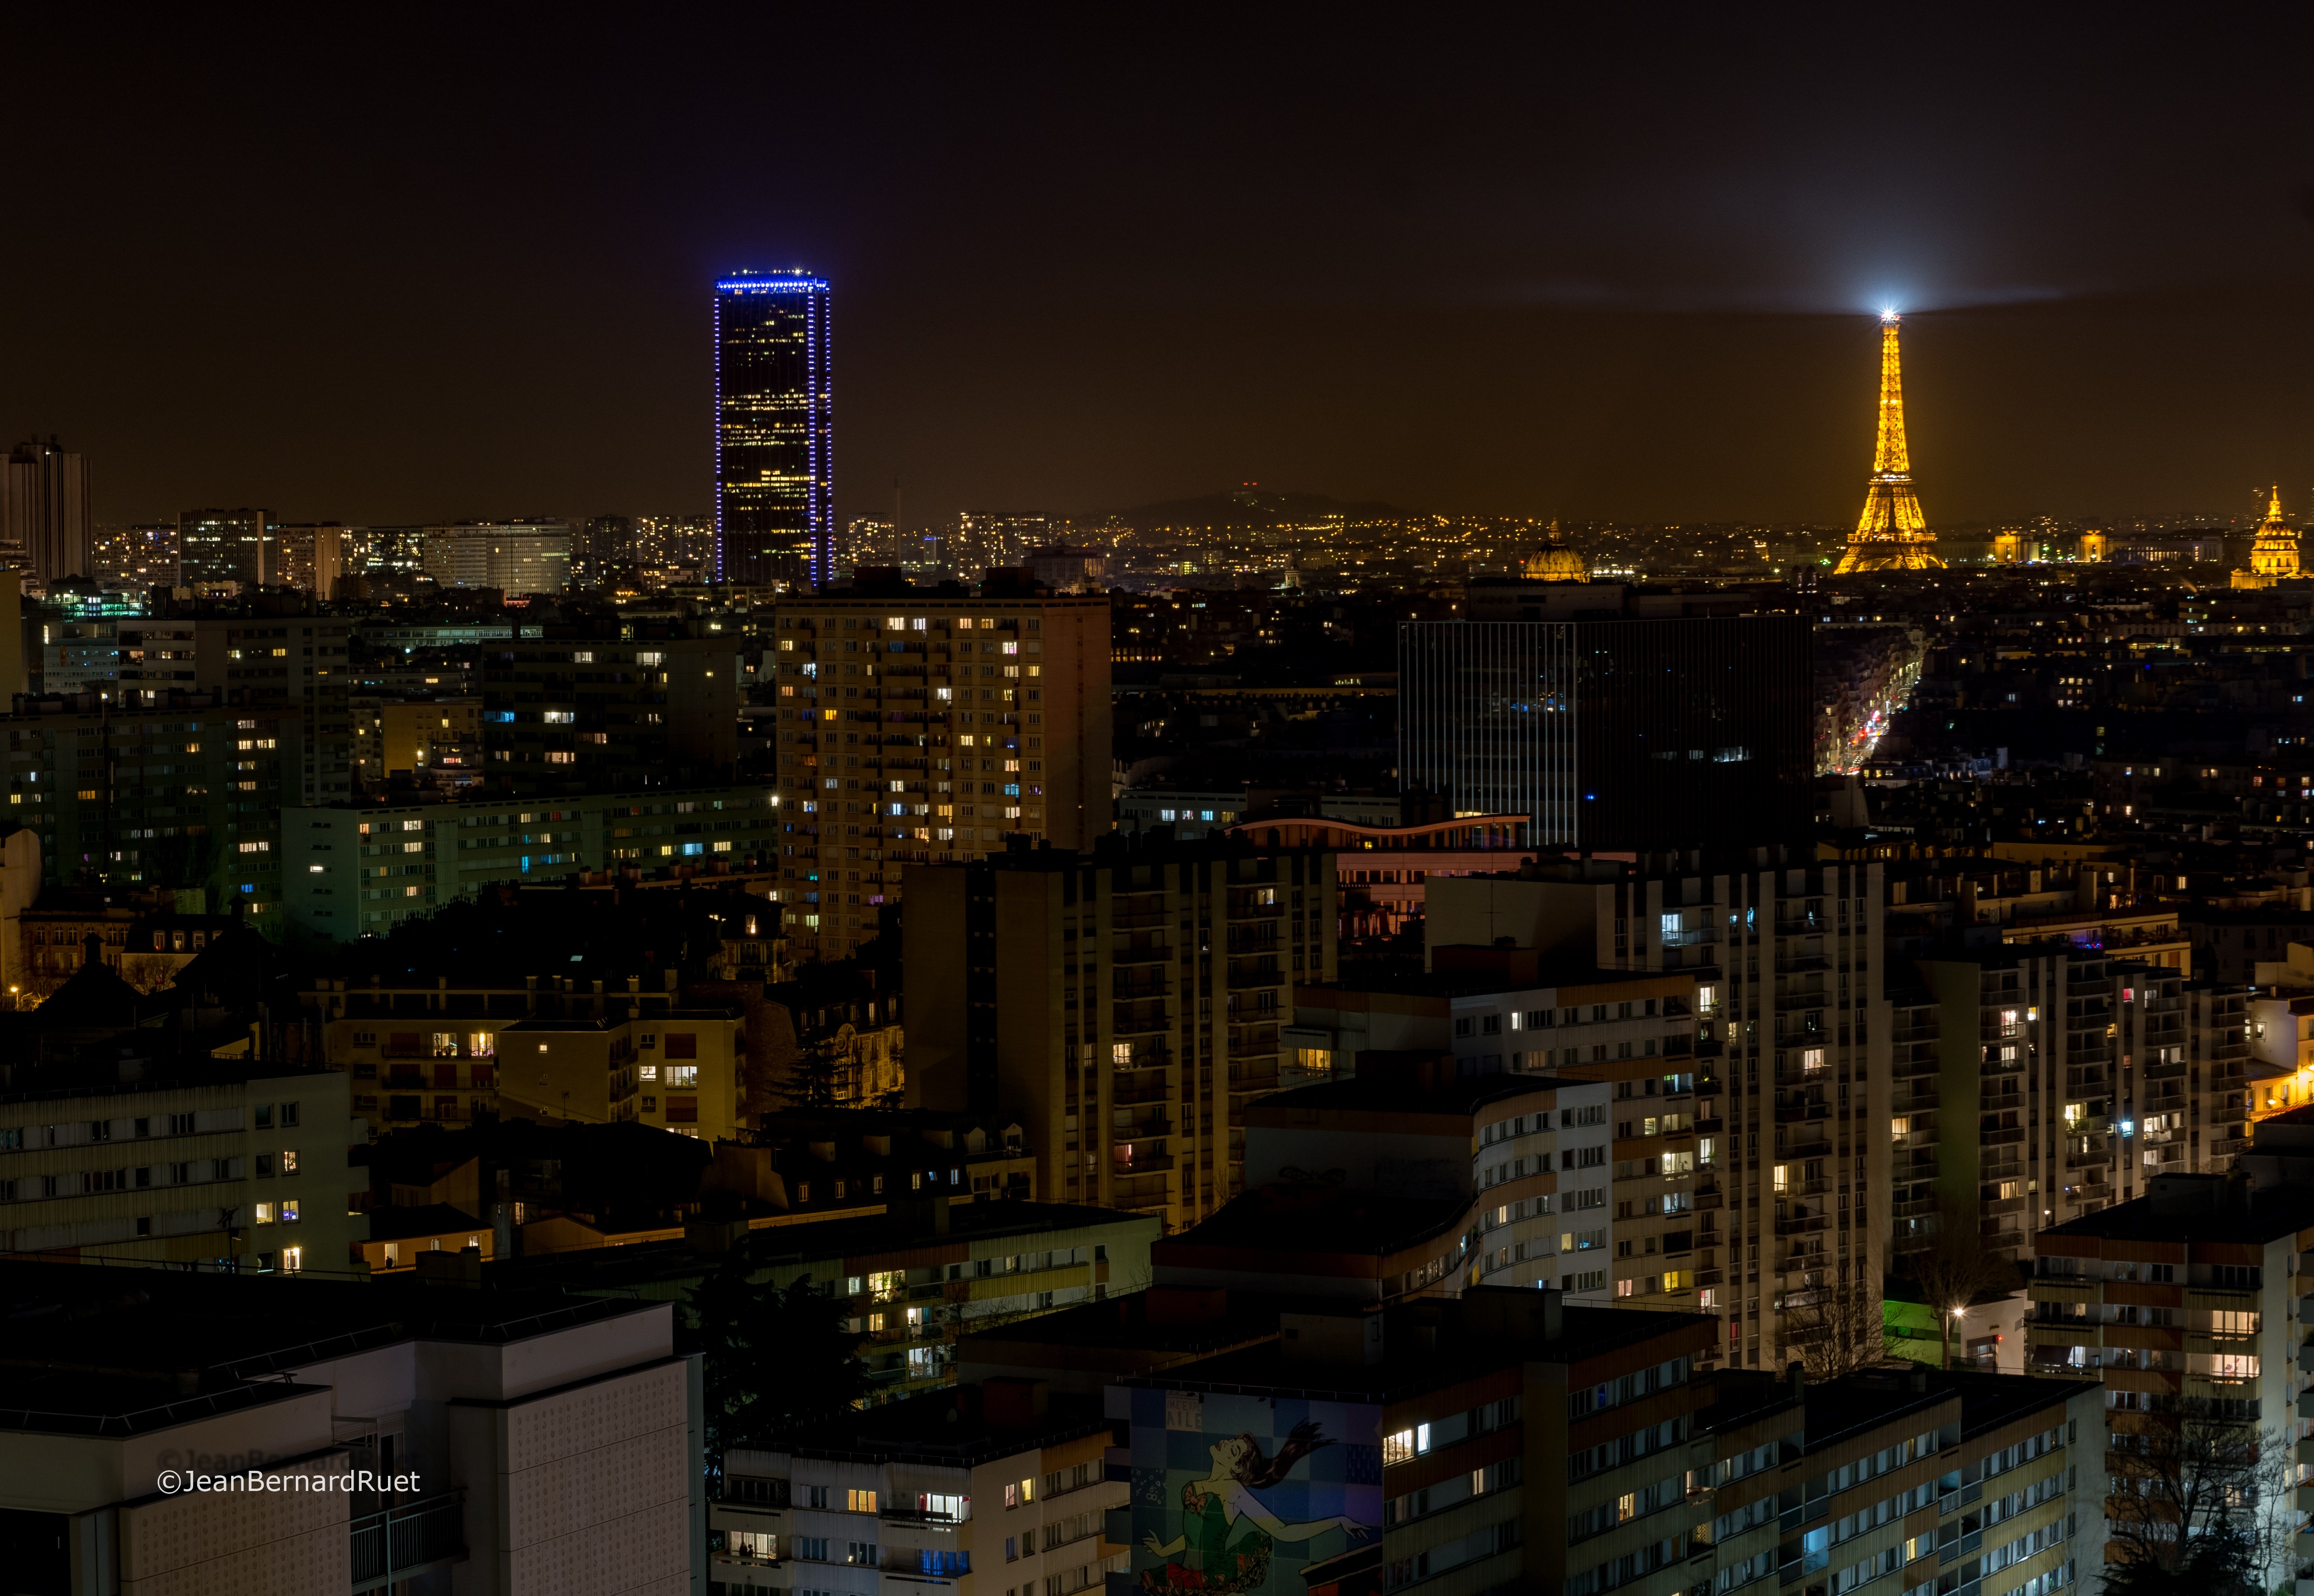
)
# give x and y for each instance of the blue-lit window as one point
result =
(695, 848)
(501, 716)
(1011, 789)
(1205, 814)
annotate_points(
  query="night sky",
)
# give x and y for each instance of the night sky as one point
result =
(420, 270)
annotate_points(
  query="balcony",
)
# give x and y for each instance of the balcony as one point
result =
(407, 1540)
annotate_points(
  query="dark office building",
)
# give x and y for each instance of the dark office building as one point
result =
(1617, 721)
(584, 709)
(774, 516)
(225, 546)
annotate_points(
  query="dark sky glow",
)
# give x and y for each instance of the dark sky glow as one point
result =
(456, 263)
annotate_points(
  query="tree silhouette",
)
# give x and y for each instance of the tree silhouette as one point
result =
(2200, 1500)
(775, 1357)
(814, 1076)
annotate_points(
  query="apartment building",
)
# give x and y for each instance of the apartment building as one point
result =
(1000, 1486)
(1787, 962)
(921, 728)
(293, 662)
(2185, 1058)
(1406, 1179)
(583, 709)
(1907, 1480)
(1495, 1011)
(553, 1049)
(355, 870)
(2191, 1290)
(536, 1442)
(155, 1156)
(527, 556)
(185, 795)
(1125, 1003)
(2281, 1032)
(1432, 1441)
(918, 1269)
(416, 740)
(2033, 1084)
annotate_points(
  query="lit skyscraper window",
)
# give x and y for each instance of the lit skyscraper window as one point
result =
(775, 516)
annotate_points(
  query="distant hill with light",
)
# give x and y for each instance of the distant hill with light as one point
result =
(1256, 507)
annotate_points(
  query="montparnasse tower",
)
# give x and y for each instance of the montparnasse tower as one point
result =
(1892, 535)
(2273, 555)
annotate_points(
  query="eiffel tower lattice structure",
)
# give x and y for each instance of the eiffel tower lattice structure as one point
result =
(1892, 535)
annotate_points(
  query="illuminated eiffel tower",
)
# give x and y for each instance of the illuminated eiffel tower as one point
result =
(1892, 535)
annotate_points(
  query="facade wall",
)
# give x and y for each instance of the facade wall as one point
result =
(1168, 976)
(354, 872)
(1614, 734)
(1791, 1067)
(184, 1174)
(916, 729)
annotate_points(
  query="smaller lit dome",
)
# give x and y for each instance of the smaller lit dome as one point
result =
(1555, 562)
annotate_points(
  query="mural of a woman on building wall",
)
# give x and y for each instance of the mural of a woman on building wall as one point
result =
(1226, 1533)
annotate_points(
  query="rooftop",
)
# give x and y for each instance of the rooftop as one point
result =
(1477, 971)
(1430, 1343)
(950, 1427)
(94, 1350)
(2187, 1208)
(1404, 1092)
(1322, 1221)
(836, 1238)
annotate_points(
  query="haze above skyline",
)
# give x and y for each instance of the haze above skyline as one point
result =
(452, 269)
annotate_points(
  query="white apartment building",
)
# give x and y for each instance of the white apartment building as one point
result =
(386, 1435)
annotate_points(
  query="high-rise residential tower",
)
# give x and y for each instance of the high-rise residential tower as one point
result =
(774, 513)
(44, 510)
(1892, 535)
(926, 728)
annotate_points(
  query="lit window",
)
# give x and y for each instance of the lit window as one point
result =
(264, 1212)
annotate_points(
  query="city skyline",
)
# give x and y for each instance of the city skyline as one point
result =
(1663, 332)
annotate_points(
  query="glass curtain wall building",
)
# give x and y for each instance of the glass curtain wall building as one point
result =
(774, 514)
(1640, 735)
